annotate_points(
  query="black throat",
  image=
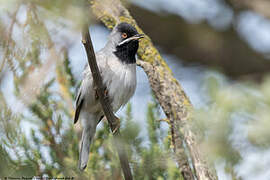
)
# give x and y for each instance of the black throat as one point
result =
(126, 52)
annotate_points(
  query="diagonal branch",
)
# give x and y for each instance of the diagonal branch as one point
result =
(105, 103)
(167, 90)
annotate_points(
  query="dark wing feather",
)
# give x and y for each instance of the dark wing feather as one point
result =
(79, 104)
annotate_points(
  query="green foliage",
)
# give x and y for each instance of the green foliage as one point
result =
(234, 105)
(44, 84)
(51, 147)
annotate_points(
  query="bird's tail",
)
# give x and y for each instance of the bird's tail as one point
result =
(86, 141)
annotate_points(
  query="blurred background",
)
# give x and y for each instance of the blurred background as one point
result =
(217, 49)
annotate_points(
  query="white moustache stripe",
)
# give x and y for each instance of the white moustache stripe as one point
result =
(128, 39)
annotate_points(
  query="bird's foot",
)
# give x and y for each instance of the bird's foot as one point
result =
(116, 125)
(106, 93)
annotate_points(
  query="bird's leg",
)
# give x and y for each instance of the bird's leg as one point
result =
(116, 125)
(106, 92)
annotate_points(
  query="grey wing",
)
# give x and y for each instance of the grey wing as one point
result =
(79, 104)
(86, 86)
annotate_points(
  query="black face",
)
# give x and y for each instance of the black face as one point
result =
(126, 52)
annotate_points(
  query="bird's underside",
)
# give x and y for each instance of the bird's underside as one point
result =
(117, 66)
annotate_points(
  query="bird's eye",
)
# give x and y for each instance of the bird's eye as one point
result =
(124, 35)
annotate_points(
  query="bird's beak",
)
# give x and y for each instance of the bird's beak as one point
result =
(138, 36)
(132, 38)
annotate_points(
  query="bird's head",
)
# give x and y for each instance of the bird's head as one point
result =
(126, 41)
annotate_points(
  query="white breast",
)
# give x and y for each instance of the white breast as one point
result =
(120, 80)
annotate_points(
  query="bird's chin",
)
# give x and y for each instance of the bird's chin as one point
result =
(126, 52)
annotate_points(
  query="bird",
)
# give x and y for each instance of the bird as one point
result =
(117, 66)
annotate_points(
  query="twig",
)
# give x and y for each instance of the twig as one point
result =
(105, 103)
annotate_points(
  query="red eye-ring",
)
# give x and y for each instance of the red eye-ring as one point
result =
(124, 35)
